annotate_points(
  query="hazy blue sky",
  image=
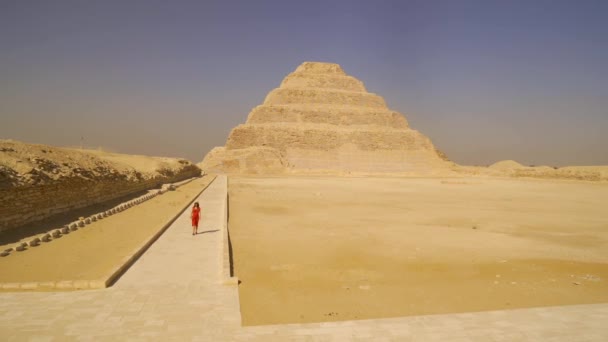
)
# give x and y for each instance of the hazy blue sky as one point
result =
(485, 80)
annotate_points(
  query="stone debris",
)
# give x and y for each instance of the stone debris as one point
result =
(34, 242)
(590, 277)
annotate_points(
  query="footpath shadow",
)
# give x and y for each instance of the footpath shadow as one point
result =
(208, 231)
(17, 234)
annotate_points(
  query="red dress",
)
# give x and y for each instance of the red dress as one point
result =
(195, 215)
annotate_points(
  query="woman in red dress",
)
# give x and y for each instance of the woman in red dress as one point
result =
(194, 216)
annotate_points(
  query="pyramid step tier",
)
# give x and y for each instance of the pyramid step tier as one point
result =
(282, 137)
(322, 114)
(280, 96)
(320, 68)
(323, 81)
(346, 159)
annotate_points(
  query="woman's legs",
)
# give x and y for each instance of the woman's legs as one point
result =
(194, 226)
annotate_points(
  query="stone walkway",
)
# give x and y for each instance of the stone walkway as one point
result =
(174, 292)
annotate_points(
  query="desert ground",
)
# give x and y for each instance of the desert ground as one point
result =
(95, 251)
(310, 249)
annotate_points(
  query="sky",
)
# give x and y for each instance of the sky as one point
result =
(484, 80)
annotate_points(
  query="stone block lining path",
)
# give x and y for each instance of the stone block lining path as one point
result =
(175, 292)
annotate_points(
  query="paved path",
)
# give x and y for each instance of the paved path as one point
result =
(173, 292)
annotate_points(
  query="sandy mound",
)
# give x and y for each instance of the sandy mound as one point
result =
(213, 160)
(506, 165)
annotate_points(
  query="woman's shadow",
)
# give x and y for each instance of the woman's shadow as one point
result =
(208, 231)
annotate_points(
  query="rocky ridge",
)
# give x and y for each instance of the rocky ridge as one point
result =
(38, 181)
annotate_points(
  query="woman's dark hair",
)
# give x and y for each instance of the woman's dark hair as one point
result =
(196, 204)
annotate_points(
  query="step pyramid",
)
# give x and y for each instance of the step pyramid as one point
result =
(322, 120)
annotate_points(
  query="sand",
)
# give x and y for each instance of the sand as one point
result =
(327, 249)
(95, 251)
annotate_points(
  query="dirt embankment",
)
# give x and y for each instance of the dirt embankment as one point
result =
(38, 181)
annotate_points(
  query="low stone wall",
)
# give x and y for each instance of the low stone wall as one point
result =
(227, 276)
(25, 204)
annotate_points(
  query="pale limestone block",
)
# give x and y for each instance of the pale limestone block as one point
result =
(46, 237)
(64, 284)
(10, 286)
(28, 286)
(46, 285)
(80, 284)
(34, 242)
(97, 284)
(5, 253)
(56, 233)
(87, 220)
(81, 223)
(73, 226)
(65, 230)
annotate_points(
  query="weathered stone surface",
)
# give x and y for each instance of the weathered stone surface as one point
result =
(322, 120)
